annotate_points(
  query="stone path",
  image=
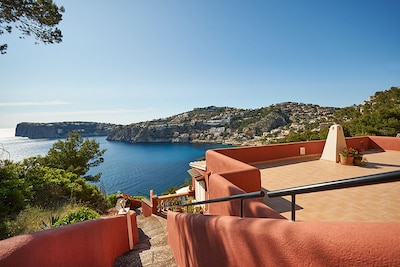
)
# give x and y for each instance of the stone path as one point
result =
(152, 249)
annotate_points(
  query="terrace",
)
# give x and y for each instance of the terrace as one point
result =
(372, 203)
(346, 227)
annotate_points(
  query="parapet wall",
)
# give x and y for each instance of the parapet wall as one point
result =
(220, 187)
(199, 240)
(89, 243)
(255, 154)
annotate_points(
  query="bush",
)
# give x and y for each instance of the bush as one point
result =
(79, 215)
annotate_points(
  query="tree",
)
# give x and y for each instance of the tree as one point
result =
(31, 17)
(75, 155)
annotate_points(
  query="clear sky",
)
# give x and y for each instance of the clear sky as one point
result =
(128, 61)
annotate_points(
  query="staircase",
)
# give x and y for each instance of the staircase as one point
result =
(152, 249)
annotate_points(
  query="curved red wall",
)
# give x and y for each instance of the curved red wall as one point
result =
(199, 240)
(89, 243)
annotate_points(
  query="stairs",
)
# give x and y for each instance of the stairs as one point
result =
(152, 249)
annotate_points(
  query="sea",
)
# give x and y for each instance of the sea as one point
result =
(134, 169)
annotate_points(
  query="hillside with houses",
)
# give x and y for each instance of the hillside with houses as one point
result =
(283, 122)
(228, 125)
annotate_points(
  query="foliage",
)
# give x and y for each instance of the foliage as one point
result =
(15, 191)
(88, 195)
(31, 17)
(41, 183)
(379, 116)
(75, 155)
(349, 152)
(80, 215)
(33, 219)
(306, 135)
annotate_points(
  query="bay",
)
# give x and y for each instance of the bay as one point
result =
(134, 169)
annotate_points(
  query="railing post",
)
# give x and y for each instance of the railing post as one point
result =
(241, 208)
(293, 207)
(154, 202)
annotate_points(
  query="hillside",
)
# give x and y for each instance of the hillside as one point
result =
(283, 122)
(61, 129)
(223, 124)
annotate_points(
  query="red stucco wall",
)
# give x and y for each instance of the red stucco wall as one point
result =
(385, 143)
(220, 187)
(255, 154)
(90, 243)
(239, 173)
(199, 240)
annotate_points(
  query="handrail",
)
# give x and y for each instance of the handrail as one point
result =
(380, 178)
(242, 197)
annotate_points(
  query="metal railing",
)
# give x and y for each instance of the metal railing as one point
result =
(163, 203)
(380, 178)
(240, 197)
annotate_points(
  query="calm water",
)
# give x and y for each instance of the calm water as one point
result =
(130, 168)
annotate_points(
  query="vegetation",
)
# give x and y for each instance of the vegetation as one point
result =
(50, 183)
(31, 17)
(378, 116)
(75, 155)
(80, 215)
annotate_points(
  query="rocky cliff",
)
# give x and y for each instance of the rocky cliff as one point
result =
(61, 129)
(217, 124)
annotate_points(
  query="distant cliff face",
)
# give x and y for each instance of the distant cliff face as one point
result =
(61, 129)
(211, 124)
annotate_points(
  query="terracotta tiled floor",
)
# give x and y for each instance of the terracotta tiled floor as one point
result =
(368, 203)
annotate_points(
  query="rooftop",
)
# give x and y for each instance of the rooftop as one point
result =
(378, 203)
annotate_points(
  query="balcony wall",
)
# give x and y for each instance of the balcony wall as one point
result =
(89, 243)
(199, 240)
(255, 154)
(239, 173)
(251, 207)
(385, 143)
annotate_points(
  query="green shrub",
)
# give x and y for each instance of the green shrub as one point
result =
(80, 215)
(112, 199)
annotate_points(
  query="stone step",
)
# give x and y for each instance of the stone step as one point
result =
(152, 248)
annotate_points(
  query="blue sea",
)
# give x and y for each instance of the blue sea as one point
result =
(131, 168)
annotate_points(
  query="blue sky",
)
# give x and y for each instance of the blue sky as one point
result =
(129, 61)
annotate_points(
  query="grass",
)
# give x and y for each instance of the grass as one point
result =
(35, 219)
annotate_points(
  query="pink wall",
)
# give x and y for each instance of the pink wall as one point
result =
(239, 173)
(384, 142)
(149, 207)
(220, 187)
(253, 154)
(199, 240)
(359, 142)
(90, 243)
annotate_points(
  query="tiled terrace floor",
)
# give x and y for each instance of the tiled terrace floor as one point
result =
(368, 203)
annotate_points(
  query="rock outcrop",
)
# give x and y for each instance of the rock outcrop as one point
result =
(61, 129)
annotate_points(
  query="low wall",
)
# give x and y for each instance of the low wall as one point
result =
(199, 240)
(89, 243)
(149, 207)
(239, 173)
(220, 187)
(254, 154)
(385, 143)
